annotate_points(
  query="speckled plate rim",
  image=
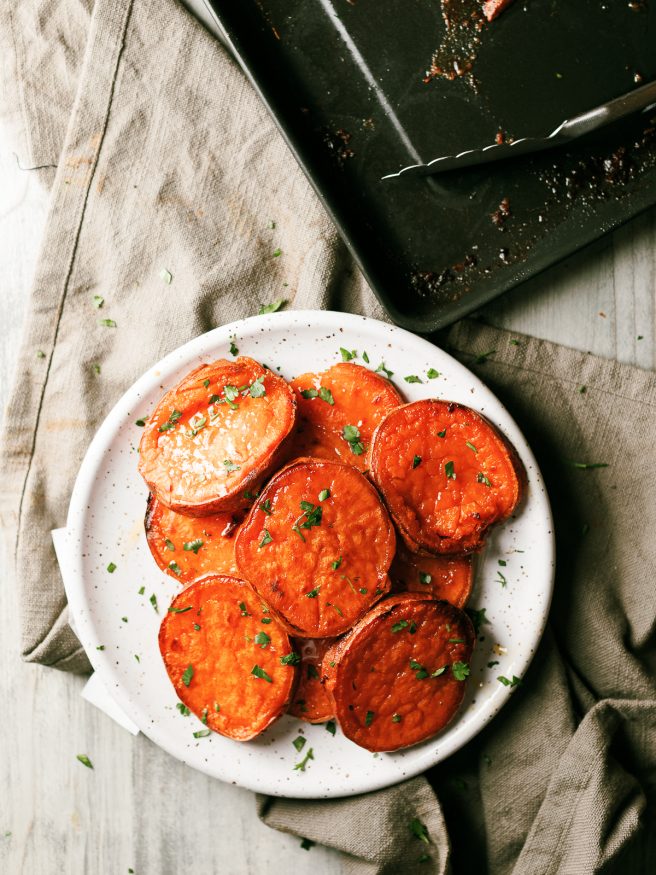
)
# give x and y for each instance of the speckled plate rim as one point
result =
(348, 330)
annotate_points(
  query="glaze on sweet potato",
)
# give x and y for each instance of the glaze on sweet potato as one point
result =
(394, 679)
(188, 547)
(317, 546)
(346, 394)
(449, 578)
(223, 660)
(446, 475)
(311, 702)
(216, 436)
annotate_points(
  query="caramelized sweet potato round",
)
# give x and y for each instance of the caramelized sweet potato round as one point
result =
(317, 546)
(446, 475)
(399, 676)
(449, 578)
(215, 436)
(311, 702)
(345, 395)
(188, 547)
(223, 661)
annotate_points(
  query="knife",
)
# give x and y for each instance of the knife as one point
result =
(642, 98)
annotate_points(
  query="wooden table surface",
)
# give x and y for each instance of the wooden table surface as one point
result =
(139, 808)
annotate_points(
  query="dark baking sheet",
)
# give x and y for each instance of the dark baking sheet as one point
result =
(344, 80)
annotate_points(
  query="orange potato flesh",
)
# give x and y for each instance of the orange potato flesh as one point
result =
(199, 456)
(446, 475)
(222, 653)
(450, 578)
(188, 547)
(292, 570)
(311, 702)
(361, 398)
(379, 675)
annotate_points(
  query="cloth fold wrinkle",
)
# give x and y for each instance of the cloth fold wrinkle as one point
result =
(190, 175)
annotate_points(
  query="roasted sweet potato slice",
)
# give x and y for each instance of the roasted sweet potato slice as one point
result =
(399, 676)
(215, 436)
(188, 547)
(449, 578)
(227, 657)
(346, 396)
(317, 546)
(446, 475)
(311, 702)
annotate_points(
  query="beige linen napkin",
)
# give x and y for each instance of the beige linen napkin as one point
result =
(168, 167)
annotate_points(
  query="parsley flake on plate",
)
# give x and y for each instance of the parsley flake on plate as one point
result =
(258, 672)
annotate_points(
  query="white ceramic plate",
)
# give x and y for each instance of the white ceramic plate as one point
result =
(106, 526)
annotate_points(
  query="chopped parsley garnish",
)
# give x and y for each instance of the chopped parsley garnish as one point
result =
(348, 355)
(365, 357)
(418, 829)
(381, 369)
(183, 709)
(501, 579)
(503, 563)
(369, 717)
(337, 608)
(266, 620)
(188, 675)
(166, 275)
(196, 627)
(231, 392)
(256, 388)
(277, 253)
(425, 577)
(326, 395)
(230, 466)
(292, 658)
(266, 538)
(310, 517)
(40, 354)
(262, 639)
(258, 672)
(421, 672)
(442, 434)
(125, 619)
(96, 368)
(331, 727)
(206, 383)
(432, 374)
(493, 663)
(179, 610)
(439, 671)
(398, 627)
(351, 435)
(193, 546)
(308, 756)
(460, 670)
(309, 393)
(471, 446)
(265, 506)
(299, 743)
(171, 421)
(313, 592)
(396, 718)
(271, 308)
(202, 733)
(140, 422)
(108, 323)
(233, 346)
(153, 601)
(306, 844)
(336, 563)
(111, 567)
(515, 682)
(324, 494)
(456, 641)
(196, 424)
(477, 617)
(587, 465)
(203, 718)
(413, 378)
(363, 590)
(481, 478)
(175, 568)
(483, 357)
(416, 461)
(449, 470)
(100, 647)
(242, 609)
(84, 759)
